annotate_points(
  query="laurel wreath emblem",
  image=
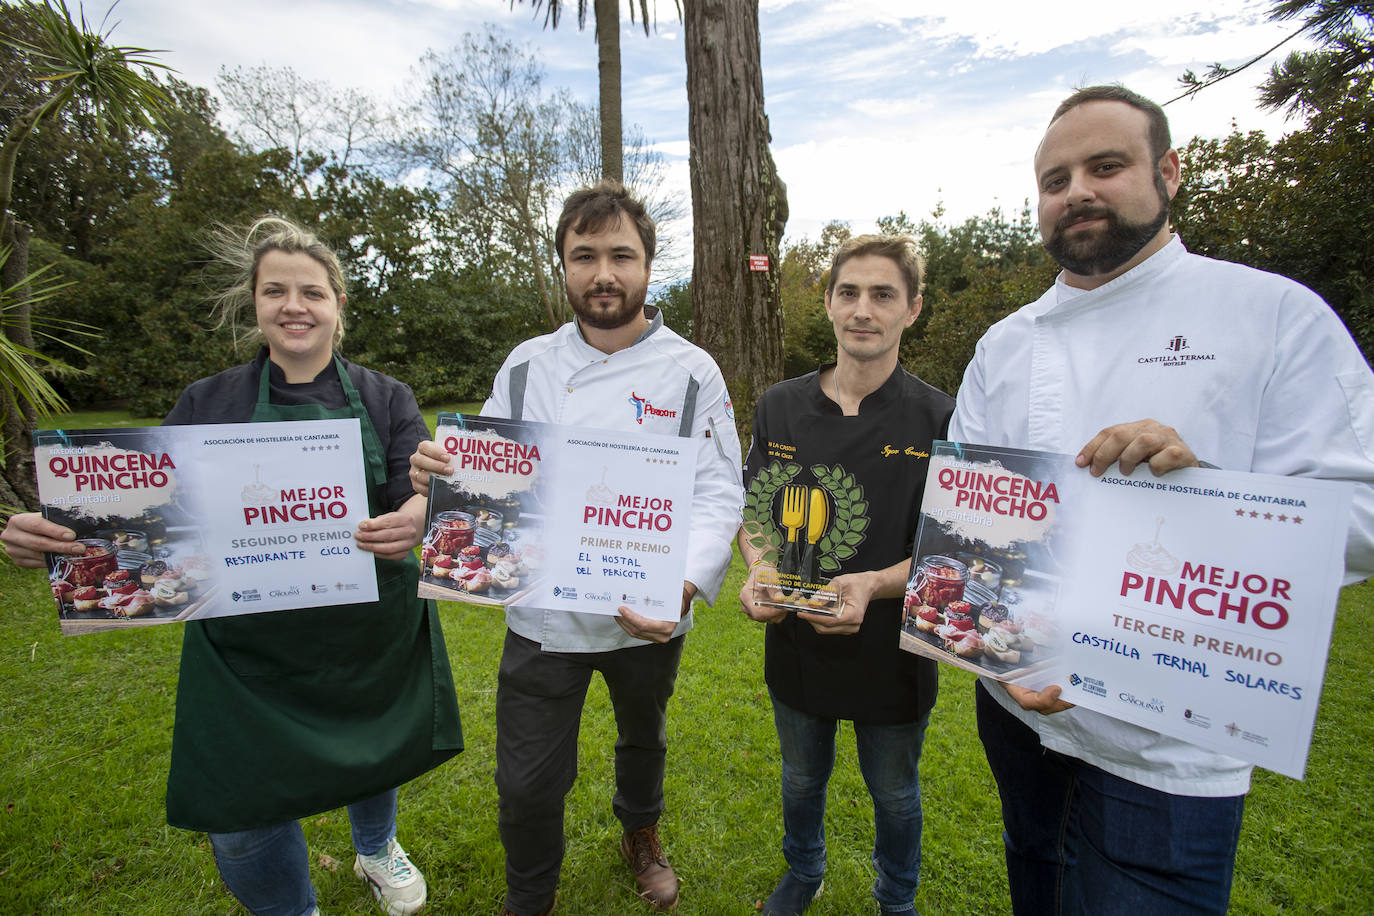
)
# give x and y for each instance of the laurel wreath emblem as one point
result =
(841, 541)
(847, 526)
(760, 532)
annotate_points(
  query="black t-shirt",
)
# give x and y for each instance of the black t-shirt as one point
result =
(872, 469)
(231, 395)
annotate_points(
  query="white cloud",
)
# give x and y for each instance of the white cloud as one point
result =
(874, 105)
(672, 149)
(947, 102)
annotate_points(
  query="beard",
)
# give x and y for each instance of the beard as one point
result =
(1104, 252)
(607, 318)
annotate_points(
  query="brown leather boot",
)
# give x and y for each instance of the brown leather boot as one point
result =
(656, 879)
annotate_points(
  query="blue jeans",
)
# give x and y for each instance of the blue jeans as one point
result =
(888, 759)
(268, 869)
(1080, 840)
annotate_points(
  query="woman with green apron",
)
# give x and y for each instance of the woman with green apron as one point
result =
(287, 714)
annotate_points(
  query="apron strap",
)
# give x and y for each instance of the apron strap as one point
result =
(264, 390)
(372, 443)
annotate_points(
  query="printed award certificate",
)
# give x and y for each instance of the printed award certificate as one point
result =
(559, 517)
(1198, 604)
(187, 522)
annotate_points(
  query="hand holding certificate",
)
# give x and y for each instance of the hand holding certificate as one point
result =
(1198, 604)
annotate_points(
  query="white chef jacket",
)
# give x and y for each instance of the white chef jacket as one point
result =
(560, 378)
(1254, 371)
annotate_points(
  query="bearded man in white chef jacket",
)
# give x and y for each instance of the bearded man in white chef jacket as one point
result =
(606, 370)
(1100, 815)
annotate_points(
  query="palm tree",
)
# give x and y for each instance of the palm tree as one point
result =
(73, 65)
(1343, 32)
(739, 203)
(607, 15)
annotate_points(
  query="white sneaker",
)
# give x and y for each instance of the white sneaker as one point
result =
(396, 882)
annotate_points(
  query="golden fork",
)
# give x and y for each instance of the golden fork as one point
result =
(793, 517)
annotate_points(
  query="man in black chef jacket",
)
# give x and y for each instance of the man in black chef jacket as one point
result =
(834, 480)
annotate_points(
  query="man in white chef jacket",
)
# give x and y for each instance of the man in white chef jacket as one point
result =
(618, 366)
(1100, 815)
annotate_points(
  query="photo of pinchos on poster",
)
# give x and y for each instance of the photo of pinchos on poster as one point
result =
(987, 560)
(144, 561)
(484, 537)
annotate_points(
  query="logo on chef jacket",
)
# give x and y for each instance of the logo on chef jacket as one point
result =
(645, 408)
(729, 407)
(1174, 355)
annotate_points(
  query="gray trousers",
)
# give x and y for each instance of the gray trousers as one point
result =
(539, 701)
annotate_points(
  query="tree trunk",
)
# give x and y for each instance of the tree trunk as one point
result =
(18, 487)
(608, 66)
(739, 205)
(546, 296)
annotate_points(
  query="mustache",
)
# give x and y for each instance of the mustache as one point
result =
(606, 289)
(1094, 212)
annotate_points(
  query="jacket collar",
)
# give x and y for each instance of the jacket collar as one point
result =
(652, 312)
(887, 391)
(1063, 300)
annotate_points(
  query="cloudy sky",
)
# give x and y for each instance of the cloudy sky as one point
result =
(876, 106)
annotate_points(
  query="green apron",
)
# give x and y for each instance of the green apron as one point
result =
(286, 714)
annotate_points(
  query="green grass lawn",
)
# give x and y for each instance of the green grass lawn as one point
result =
(432, 413)
(85, 733)
(95, 419)
(86, 725)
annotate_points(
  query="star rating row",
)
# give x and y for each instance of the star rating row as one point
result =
(1269, 516)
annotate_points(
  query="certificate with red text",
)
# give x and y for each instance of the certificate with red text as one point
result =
(190, 522)
(559, 517)
(1198, 604)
